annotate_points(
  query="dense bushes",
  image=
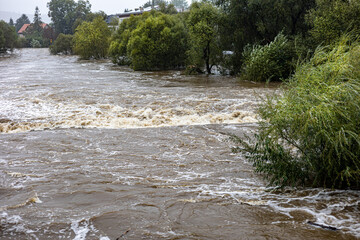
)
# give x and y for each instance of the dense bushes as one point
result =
(331, 19)
(92, 39)
(273, 61)
(150, 42)
(205, 48)
(8, 37)
(63, 44)
(207, 31)
(120, 40)
(158, 43)
(250, 22)
(311, 134)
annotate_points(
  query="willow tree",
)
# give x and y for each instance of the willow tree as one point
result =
(159, 42)
(119, 42)
(330, 19)
(92, 39)
(152, 41)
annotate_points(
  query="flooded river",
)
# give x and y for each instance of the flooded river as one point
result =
(89, 150)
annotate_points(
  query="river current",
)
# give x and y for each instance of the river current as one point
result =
(89, 150)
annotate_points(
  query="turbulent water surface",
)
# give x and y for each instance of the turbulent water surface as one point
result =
(89, 150)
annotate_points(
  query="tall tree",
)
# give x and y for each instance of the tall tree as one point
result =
(21, 21)
(37, 20)
(167, 8)
(8, 36)
(203, 29)
(11, 22)
(64, 13)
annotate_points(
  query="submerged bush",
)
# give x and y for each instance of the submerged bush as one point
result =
(158, 43)
(119, 42)
(273, 61)
(63, 44)
(310, 134)
(151, 41)
(92, 39)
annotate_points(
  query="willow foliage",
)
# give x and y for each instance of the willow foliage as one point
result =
(92, 39)
(158, 43)
(273, 61)
(310, 135)
(151, 41)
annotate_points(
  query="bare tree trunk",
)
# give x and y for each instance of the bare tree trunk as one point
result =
(207, 58)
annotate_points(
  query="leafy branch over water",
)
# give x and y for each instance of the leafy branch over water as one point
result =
(310, 135)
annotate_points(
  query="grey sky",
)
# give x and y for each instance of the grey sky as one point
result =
(108, 6)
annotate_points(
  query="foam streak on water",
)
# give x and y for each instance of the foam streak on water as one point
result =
(94, 151)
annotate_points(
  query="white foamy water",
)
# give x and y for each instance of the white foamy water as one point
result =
(94, 151)
(27, 115)
(60, 92)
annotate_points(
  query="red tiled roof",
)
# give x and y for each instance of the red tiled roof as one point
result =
(23, 28)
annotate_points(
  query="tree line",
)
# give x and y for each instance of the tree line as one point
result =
(227, 35)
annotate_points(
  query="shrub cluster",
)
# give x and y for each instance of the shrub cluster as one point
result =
(63, 44)
(8, 36)
(92, 39)
(152, 41)
(310, 134)
(274, 61)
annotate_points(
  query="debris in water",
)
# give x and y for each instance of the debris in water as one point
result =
(123, 235)
(322, 226)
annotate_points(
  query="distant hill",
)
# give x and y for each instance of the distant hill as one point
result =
(7, 15)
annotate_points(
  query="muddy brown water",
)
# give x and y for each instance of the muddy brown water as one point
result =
(89, 150)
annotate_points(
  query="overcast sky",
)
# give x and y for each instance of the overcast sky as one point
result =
(108, 6)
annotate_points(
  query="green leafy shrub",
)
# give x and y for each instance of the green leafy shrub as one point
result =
(152, 41)
(311, 133)
(92, 39)
(273, 61)
(158, 43)
(8, 36)
(63, 44)
(118, 47)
